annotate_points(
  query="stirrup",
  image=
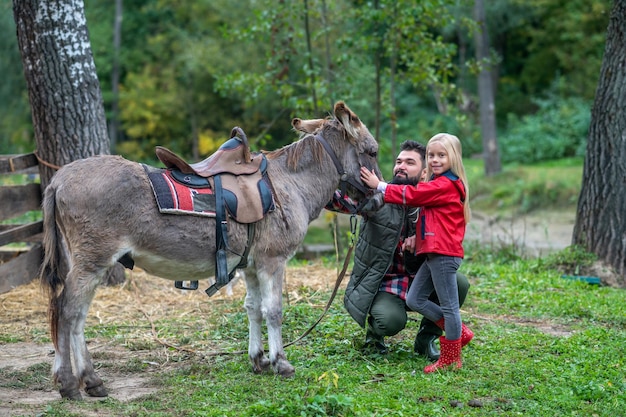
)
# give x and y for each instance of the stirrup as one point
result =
(193, 285)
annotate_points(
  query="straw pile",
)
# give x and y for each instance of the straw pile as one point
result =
(23, 310)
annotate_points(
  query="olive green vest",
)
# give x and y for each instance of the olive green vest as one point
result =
(378, 238)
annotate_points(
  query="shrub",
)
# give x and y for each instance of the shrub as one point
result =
(557, 130)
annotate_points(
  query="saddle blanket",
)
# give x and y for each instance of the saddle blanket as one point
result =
(175, 198)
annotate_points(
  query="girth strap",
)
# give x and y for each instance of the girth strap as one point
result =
(222, 275)
(221, 235)
(242, 263)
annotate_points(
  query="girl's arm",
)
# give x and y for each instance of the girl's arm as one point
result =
(432, 193)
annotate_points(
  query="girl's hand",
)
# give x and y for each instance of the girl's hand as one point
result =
(369, 178)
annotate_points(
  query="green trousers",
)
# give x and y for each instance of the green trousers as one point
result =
(388, 315)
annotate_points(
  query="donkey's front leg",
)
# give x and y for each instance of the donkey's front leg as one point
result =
(260, 363)
(272, 306)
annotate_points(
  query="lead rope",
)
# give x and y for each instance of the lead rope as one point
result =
(342, 273)
(340, 276)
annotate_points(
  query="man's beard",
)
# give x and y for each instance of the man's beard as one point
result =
(404, 180)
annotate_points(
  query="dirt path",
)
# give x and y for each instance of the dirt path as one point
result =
(25, 383)
(536, 234)
(533, 234)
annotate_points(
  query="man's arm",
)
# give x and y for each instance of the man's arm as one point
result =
(346, 205)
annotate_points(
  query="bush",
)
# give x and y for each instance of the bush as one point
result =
(557, 130)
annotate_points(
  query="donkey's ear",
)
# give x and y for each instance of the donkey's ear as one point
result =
(307, 126)
(343, 113)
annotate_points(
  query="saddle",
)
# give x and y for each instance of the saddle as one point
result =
(233, 157)
(242, 174)
(241, 186)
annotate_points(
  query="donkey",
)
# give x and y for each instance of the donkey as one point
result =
(101, 209)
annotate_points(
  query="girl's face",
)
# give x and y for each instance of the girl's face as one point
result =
(437, 158)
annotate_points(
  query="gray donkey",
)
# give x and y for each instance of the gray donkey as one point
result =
(101, 209)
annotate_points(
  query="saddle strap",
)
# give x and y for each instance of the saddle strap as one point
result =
(243, 262)
(221, 235)
(222, 275)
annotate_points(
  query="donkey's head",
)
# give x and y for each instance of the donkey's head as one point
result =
(351, 142)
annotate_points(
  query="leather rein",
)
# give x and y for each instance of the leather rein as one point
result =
(344, 178)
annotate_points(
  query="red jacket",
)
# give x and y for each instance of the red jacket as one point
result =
(441, 224)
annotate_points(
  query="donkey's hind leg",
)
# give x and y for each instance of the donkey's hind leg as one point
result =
(72, 313)
(260, 363)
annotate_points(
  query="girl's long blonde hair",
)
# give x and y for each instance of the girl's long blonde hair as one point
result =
(452, 145)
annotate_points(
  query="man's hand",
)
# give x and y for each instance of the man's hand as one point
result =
(369, 178)
(409, 244)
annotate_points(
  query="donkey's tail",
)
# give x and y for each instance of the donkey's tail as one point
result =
(54, 268)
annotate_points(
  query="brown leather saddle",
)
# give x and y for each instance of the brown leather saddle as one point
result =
(242, 187)
(233, 157)
(242, 174)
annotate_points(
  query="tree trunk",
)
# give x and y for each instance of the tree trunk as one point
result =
(491, 154)
(378, 56)
(63, 88)
(114, 123)
(600, 218)
(393, 65)
(328, 65)
(309, 48)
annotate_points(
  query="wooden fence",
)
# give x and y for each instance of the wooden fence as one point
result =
(19, 265)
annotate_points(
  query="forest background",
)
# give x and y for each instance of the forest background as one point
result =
(182, 75)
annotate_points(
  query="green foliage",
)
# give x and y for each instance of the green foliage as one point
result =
(557, 130)
(526, 188)
(543, 40)
(570, 260)
(15, 124)
(194, 72)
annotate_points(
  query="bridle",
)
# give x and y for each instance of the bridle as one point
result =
(344, 178)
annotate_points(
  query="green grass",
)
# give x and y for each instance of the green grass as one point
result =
(525, 188)
(544, 346)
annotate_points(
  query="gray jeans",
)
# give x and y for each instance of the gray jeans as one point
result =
(438, 272)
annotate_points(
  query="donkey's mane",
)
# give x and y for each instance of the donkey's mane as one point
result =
(306, 144)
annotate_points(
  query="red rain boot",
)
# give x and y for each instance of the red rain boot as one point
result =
(450, 355)
(466, 334)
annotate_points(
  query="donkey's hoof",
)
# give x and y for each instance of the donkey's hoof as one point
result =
(97, 391)
(285, 369)
(72, 394)
(260, 364)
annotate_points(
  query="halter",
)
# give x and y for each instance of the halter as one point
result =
(344, 178)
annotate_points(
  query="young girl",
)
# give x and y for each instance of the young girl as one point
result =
(444, 202)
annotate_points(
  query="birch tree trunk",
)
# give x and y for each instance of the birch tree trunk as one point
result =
(63, 88)
(601, 215)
